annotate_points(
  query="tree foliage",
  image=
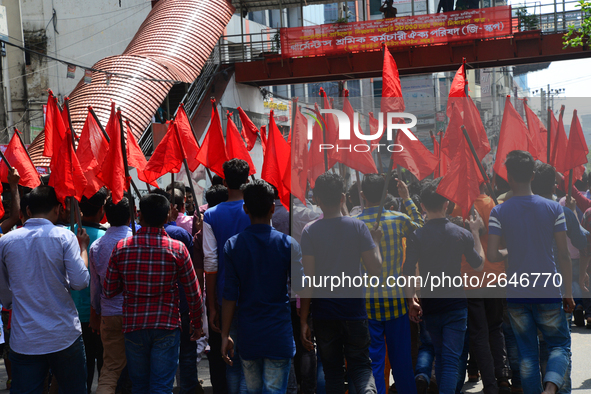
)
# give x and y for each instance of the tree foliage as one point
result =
(578, 36)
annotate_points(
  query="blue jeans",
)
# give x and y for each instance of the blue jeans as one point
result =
(234, 374)
(447, 331)
(397, 335)
(187, 358)
(550, 320)
(68, 366)
(426, 354)
(152, 359)
(266, 376)
(340, 340)
(512, 350)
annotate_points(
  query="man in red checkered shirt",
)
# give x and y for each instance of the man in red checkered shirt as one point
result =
(146, 268)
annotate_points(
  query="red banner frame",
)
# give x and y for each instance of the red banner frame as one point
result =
(339, 38)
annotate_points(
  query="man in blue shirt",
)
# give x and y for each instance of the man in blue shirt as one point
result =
(39, 264)
(258, 262)
(220, 224)
(529, 224)
(334, 247)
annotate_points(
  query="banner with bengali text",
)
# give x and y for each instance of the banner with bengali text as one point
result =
(338, 38)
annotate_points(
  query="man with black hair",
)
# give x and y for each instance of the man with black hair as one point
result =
(438, 247)
(179, 199)
(258, 262)
(386, 307)
(529, 224)
(110, 310)
(39, 264)
(146, 268)
(24, 204)
(93, 212)
(220, 223)
(335, 246)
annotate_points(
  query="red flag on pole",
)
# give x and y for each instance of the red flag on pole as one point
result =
(513, 136)
(462, 182)
(167, 157)
(538, 133)
(277, 162)
(355, 153)
(17, 156)
(213, 150)
(316, 159)
(264, 138)
(299, 155)
(458, 89)
(112, 171)
(249, 130)
(392, 100)
(331, 135)
(576, 150)
(374, 129)
(55, 129)
(92, 149)
(415, 157)
(67, 177)
(190, 146)
(135, 156)
(235, 148)
(559, 144)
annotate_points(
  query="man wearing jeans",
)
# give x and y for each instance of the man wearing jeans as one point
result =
(258, 262)
(529, 223)
(146, 268)
(110, 310)
(334, 246)
(39, 264)
(438, 248)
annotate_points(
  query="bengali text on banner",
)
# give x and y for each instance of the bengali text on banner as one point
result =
(338, 38)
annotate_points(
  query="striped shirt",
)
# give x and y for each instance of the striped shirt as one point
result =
(387, 302)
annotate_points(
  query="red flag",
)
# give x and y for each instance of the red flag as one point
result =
(187, 138)
(458, 89)
(475, 129)
(576, 150)
(559, 144)
(113, 168)
(299, 155)
(317, 162)
(392, 100)
(92, 146)
(331, 129)
(249, 130)
(264, 138)
(235, 148)
(213, 150)
(167, 157)
(55, 129)
(437, 153)
(277, 163)
(374, 129)
(443, 159)
(67, 177)
(538, 133)
(135, 156)
(415, 157)
(355, 152)
(462, 183)
(513, 136)
(18, 158)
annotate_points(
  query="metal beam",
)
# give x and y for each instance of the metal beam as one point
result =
(521, 48)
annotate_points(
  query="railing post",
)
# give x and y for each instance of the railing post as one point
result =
(555, 17)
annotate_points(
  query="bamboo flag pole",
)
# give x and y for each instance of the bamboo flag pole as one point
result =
(126, 166)
(480, 167)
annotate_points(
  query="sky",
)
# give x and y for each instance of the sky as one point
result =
(572, 75)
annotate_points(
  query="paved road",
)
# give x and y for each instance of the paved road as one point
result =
(581, 373)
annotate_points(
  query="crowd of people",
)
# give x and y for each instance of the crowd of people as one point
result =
(227, 280)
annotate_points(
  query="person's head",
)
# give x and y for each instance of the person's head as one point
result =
(24, 204)
(391, 203)
(118, 214)
(329, 190)
(372, 188)
(259, 200)
(353, 196)
(544, 182)
(43, 203)
(393, 185)
(176, 185)
(520, 168)
(154, 210)
(179, 200)
(217, 180)
(236, 173)
(92, 208)
(215, 195)
(582, 184)
(501, 185)
(431, 201)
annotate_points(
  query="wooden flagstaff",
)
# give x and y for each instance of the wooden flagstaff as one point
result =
(126, 166)
(548, 133)
(439, 150)
(186, 165)
(480, 167)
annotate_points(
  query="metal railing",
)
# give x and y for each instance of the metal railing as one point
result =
(192, 99)
(249, 47)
